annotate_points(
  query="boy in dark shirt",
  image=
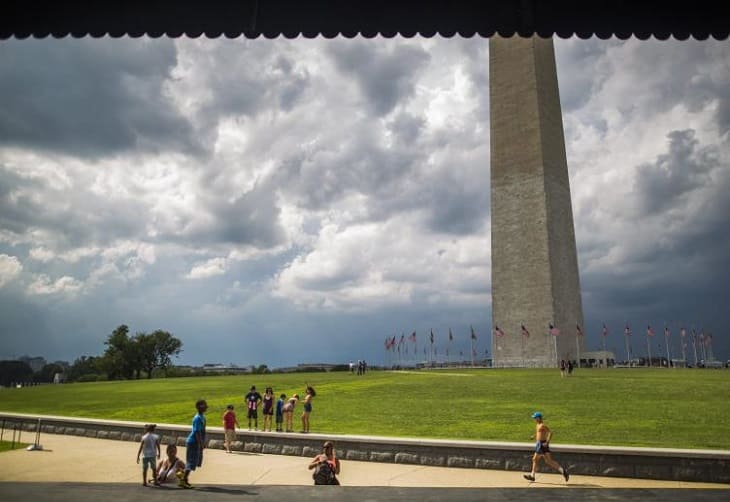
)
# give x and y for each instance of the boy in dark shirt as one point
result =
(253, 400)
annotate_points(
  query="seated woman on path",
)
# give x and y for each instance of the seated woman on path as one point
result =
(326, 466)
(288, 410)
(172, 468)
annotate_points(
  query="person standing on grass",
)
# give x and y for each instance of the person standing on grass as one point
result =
(149, 448)
(229, 427)
(280, 412)
(195, 443)
(543, 434)
(309, 393)
(253, 400)
(268, 408)
(288, 410)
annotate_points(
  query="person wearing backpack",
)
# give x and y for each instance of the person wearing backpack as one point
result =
(326, 466)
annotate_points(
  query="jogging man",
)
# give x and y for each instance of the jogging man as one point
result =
(543, 434)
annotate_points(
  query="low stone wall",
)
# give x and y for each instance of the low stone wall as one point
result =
(648, 463)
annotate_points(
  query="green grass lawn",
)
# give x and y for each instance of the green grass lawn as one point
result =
(8, 445)
(678, 408)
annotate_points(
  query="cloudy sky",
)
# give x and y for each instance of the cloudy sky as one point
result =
(282, 201)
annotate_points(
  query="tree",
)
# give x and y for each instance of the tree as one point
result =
(48, 372)
(14, 372)
(84, 365)
(147, 350)
(121, 356)
(166, 346)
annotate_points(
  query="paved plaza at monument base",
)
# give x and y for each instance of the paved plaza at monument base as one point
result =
(88, 470)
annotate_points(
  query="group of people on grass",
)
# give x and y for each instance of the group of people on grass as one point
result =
(283, 409)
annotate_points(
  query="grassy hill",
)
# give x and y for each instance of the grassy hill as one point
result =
(679, 408)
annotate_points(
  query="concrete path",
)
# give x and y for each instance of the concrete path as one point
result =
(95, 469)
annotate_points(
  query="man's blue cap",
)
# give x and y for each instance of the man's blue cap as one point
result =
(537, 414)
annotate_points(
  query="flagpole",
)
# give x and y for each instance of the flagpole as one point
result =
(667, 336)
(472, 351)
(605, 359)
(626, 339)
(648, 346)
(523, 350)
(577, 346)
(701, 338)
(683, 344)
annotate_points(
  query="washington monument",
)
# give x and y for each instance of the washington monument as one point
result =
(535, 280)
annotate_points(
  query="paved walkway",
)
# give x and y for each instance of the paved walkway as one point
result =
(103, 469)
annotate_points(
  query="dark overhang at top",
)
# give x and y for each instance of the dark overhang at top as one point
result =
(699, 19)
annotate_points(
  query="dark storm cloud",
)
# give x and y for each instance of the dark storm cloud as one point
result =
(320, 178)
(578, 64)
(90, 97)
(71, 215)
(684, 168)
(457, 209)
(406, 128)
(674, 265)
(386, 77)
(246, 78)
(249, 218)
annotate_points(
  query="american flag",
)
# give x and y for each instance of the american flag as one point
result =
(554, 331)
(649, 331)
(431, 336)
(578, 331)
(451, 337)
(473, 335)
(604, 331)
(667, 333)
(525, 333)
(412, 337)
(627, 330)
(498, 332)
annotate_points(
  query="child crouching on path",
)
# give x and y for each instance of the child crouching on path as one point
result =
(149, 448)
(170, 468)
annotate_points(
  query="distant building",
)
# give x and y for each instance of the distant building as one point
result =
(597, 359)
(226, 368)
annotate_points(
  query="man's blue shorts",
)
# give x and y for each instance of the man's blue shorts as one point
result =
(193, 457)
(542, 447)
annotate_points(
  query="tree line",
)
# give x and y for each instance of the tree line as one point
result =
(126, 357)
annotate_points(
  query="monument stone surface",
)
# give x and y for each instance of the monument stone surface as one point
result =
(535, 279)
